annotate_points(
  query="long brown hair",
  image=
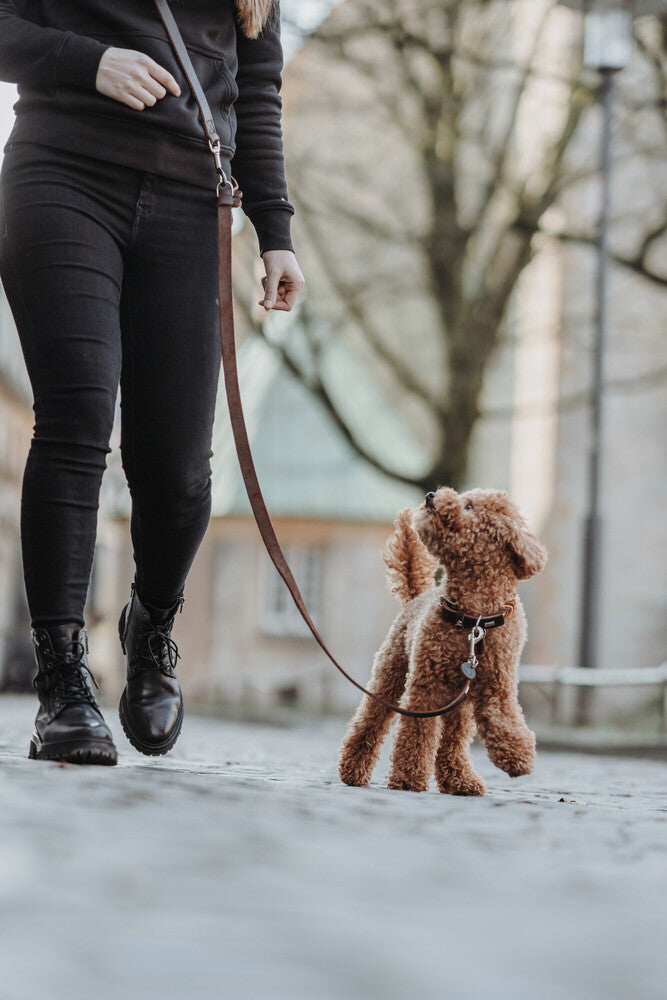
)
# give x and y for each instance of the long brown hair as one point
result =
(252, 15)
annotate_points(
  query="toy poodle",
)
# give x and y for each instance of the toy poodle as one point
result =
(485, 547)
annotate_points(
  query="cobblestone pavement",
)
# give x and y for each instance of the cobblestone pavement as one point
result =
(239, 867)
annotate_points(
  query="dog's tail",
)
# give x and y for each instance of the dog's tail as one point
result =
(410, 566)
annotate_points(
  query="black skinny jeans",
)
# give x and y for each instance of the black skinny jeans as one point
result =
(111, 275)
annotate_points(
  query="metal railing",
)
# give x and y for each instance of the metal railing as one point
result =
(558, 678)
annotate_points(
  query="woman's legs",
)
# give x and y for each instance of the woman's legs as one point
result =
(170, 373)
(111, 273)
(61, 267)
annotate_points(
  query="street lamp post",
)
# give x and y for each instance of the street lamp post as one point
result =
(607, 49)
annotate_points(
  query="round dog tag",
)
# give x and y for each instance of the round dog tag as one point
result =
(468, 670)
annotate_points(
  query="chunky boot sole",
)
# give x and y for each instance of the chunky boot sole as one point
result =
(150, 749)
(74, 751)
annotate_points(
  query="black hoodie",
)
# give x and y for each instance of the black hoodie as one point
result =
(52, 51)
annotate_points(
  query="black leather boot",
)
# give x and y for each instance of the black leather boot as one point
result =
(151, 706)
(69, 724)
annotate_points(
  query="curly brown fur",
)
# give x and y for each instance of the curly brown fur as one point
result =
(410, 566)
(486, 548)
(252, 15)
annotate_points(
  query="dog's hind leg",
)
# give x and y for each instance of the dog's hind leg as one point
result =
(413, 756)
(454, 772)
(372, 721)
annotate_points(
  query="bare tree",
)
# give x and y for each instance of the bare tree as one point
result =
(471, 95)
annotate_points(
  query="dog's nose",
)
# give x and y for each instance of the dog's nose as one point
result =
(429, 499)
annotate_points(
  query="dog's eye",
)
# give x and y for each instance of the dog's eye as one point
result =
(469, 506)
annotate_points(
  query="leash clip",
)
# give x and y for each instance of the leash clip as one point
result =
(223, 179)
(475, 637)
(469, 668)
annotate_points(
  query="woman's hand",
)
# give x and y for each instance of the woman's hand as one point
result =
(283, 280)
(133, 78)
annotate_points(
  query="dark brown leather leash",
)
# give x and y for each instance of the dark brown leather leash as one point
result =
(228, 197)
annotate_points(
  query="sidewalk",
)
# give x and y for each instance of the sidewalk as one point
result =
(239, 867)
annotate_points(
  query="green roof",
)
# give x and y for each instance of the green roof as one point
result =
(305, 465)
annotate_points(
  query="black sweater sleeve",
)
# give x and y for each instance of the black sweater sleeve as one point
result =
(44, 57)
(258, 163)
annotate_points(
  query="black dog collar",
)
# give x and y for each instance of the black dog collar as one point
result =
(461, 619)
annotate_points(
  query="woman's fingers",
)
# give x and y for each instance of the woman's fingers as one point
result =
(163, 77)
(281, 306)
(132, 102)
(290, 297)
(283, 298)
(287, 294)
(145, 95)
(133, 78)
(155, 89)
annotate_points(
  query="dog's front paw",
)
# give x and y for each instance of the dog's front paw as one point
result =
(351, 773)
(462, 784)
(516, 755)
(407, 784)
(356, 763)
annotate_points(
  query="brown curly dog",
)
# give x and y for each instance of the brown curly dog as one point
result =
(485, 547)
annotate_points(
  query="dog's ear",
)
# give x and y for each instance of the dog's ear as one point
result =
(528, 553)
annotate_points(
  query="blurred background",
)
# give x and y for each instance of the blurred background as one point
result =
(481, 211)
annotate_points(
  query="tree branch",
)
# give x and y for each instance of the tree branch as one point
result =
(635, 264)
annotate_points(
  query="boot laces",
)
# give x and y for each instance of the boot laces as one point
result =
(158, 644)
(69, 674)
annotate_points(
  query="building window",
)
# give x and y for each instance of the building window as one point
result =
(278, 614)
